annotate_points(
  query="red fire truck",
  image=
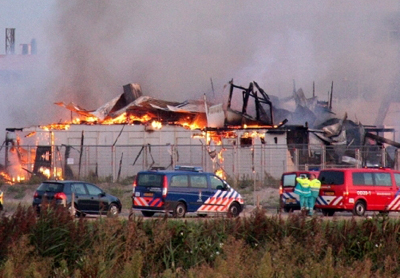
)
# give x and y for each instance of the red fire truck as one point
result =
(358, 190)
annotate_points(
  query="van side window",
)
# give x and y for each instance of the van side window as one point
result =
(288, 180)
(179, 181)
(198, 181)
(358, 178)
(362, 179)
(397, 179)
(216, 183)
(383, 179)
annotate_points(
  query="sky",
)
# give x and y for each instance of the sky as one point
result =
(178, 50)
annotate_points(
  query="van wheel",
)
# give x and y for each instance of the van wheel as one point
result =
(328, 212)
(180, 210)
(359, 208)
(147, 213)
(234, 210)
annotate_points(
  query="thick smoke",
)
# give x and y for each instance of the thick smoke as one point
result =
(173, 49)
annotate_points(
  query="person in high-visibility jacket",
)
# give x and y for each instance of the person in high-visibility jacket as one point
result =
(303, 190)
(315, 186)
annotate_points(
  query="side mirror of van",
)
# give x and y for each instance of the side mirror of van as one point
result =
(223, 187)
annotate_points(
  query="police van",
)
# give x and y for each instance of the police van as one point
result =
(290, 201)
(358, 190)
(187, 189)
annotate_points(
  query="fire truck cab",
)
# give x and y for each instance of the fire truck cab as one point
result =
(358, 190)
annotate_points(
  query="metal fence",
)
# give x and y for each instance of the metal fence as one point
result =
(258, 162)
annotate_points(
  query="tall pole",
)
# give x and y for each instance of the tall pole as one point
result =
(10, 40)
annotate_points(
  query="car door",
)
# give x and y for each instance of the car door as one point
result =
(81, 196)
(96, 200)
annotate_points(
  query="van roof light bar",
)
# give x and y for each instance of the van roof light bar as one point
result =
(189, 168)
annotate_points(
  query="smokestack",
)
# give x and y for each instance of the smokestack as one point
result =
(26, 49)
(10, 41)
(33, 47)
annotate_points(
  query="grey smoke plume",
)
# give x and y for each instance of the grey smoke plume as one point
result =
(173, 48)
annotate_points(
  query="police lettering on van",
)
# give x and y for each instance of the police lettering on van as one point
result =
(187, 189)
(359, 190)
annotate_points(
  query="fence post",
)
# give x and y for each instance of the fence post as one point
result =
(383, 156)
(73, 204)
(296, 158)
(323, 157)
(113, 163)
(358, 158)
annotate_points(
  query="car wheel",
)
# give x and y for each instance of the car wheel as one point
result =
(147, 213)
(287, 209)
(113, 210)
(328, 212)
(180, 210)
(359, 208)
(234, 210)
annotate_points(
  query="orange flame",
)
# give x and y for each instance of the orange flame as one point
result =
(6, 177)
(45, 171)
(220, 173)
(156, 125)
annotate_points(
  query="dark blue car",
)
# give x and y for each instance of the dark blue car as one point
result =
(88, 198)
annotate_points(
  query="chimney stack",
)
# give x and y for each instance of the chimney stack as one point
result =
(10, 41)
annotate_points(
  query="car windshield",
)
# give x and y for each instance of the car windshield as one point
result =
(50, 187)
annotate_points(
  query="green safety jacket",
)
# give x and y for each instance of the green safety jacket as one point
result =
(315, 186)
(303, 187)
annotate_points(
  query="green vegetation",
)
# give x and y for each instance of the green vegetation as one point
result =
(57, 245)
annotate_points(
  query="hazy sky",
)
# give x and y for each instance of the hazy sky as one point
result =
(90, 49)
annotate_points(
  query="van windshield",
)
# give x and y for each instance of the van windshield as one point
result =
(331, 177)
(149, 180)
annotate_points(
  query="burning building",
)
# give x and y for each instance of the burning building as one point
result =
(261, 137)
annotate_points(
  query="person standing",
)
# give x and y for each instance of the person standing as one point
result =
(303, 190)
(315, 186)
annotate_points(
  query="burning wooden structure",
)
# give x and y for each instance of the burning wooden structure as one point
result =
(134, 132)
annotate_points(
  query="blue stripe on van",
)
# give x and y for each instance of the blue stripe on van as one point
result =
(321, 201)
